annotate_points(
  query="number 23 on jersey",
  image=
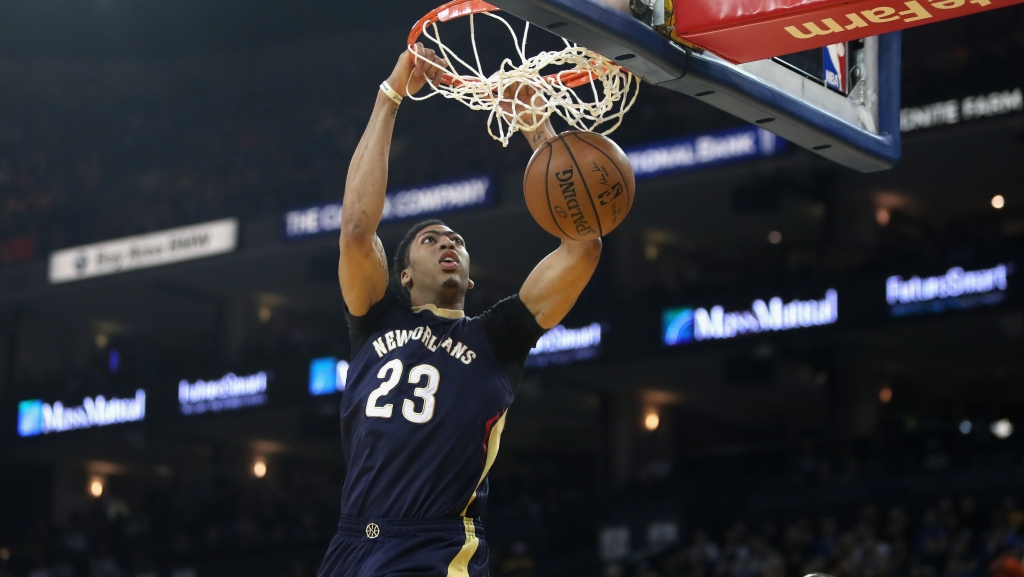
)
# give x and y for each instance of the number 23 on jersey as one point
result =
(391, 372)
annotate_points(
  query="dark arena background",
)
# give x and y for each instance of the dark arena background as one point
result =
(781, 366)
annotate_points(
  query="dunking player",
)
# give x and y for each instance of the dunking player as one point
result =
(428, 388)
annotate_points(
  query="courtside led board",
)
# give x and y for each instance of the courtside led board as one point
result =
(850, 115)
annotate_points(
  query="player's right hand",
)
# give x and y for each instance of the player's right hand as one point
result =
(413, 71)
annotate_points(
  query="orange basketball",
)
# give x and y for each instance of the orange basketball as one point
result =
(579, 185)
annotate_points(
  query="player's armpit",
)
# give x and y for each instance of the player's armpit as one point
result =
(363, 273)
(557, 281)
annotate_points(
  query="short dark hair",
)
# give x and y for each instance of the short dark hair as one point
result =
(402, 254)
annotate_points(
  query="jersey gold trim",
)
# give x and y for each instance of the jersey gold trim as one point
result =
(446, 313)
(459, 567)
(493, 444)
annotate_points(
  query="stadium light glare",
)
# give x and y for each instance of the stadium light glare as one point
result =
(96, 487)
(259, 468)
(885, 395)
(1002, 428)
(651, 421)
(998, 201)
(966, 427)
(882, 216)
(775, 237)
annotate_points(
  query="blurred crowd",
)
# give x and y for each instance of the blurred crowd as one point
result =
(169, 526)
(950, 538)
(919, 505)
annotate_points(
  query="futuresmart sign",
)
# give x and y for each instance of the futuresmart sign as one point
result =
(692, 152)
(38, 418)
(957, 289)
(327, 375)
(560, 346)
(686, 325)
(426, 200)
(227, 393)
(144, 251)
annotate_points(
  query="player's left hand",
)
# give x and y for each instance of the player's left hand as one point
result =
(417, 66)
(527, 103)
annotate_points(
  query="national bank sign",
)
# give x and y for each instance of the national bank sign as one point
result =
(686, 325)
(433, 199)
(693, 152)
(957, 289)
(38, 418)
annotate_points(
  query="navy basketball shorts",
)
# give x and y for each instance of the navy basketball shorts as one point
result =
(447, 547)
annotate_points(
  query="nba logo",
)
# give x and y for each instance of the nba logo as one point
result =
(30, 418)
(836, 71)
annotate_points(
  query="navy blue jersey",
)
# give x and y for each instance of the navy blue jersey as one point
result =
(425, 404)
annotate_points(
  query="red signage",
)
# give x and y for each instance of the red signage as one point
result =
(748, 30)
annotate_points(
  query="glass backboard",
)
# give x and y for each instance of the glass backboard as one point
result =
(841, 101)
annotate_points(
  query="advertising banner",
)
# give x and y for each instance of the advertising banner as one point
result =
(36, 417)
(228, 393)
(686, 325)
(562, 346)
(974, 107)
(327, 375)
(956, 289)
(692, 152)
(420, 201)
(144, 251)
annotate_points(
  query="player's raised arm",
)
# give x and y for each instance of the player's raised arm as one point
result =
(557, 281)
(363, 267)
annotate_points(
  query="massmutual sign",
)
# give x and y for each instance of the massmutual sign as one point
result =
(686, 325)
(38, 418)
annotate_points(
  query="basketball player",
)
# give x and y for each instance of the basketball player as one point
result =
(428, 388)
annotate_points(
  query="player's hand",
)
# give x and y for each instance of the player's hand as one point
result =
(412, 72)
(523, 101)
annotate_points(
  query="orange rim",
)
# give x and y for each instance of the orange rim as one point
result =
(458, 9)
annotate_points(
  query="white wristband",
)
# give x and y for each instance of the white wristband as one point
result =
(390, 92)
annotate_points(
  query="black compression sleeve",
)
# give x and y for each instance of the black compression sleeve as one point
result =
(511, 329)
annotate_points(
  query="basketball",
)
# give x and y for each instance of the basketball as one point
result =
(579, 185)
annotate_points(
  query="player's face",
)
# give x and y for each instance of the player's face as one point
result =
(438, 261)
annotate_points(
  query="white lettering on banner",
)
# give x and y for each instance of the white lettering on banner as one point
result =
(144, 251)
(93, 412)
(954, 283)
(692, 152)
(400, 204)
(954, 111)
(560, 339)
(228, 392)
(773, 315)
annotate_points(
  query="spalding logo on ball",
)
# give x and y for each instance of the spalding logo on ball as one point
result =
(579, 185)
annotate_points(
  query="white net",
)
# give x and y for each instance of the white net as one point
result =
(585, 89)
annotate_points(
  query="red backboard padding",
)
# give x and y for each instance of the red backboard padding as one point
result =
(747, 30)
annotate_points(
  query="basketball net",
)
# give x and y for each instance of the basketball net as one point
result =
(610, 90)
